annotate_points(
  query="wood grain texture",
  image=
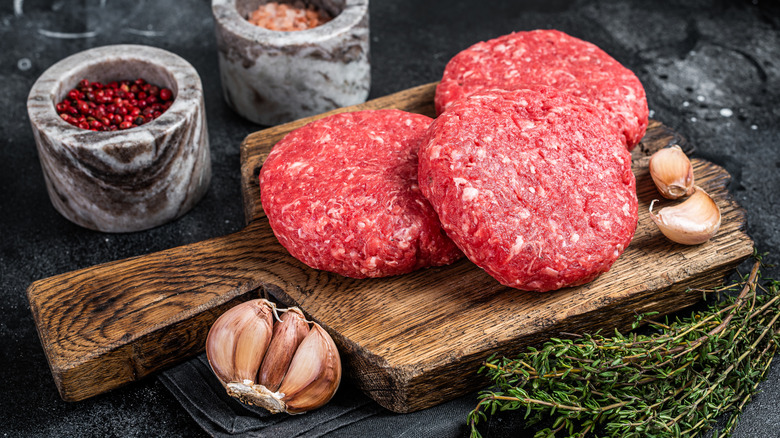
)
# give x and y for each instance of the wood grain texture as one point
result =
(408, 341)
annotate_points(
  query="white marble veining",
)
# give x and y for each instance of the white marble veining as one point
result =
(127, 180)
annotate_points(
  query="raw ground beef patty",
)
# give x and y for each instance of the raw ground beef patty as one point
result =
(341, 195)
(531, 185)
(552, 58)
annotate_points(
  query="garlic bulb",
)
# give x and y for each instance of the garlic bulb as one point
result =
(286, 366)
(672, 172)
(691, 222)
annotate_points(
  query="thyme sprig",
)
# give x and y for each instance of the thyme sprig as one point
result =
(675, 381)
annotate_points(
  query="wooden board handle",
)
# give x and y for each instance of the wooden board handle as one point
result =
(117, 322)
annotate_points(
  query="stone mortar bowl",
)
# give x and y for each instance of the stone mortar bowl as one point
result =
(125, 180)
(271, 77)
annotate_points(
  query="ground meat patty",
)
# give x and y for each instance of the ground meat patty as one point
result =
(553, 58)
(341, 195)
(531, 185)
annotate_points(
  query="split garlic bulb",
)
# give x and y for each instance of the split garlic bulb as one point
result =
(285, 365)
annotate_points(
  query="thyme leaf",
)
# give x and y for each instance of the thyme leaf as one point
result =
(676, 380)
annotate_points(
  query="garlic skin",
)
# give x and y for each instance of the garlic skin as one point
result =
(672, 172)
(694, 221)
(286, 366)
(237, 341)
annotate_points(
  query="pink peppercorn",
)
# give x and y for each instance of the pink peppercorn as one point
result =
(115, 105)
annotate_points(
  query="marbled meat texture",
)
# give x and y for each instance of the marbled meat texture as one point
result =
(341, 195)
(531, 185)
(552, 58)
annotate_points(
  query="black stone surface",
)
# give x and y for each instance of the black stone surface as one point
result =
(711, 70)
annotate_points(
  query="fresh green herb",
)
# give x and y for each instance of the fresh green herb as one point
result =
(675, 381)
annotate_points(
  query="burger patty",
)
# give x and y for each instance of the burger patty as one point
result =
(553, 58)
(531, 185)
(341, 195)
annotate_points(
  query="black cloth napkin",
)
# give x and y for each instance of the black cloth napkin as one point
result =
(349, 414)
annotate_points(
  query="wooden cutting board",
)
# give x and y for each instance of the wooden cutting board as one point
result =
(409, 341)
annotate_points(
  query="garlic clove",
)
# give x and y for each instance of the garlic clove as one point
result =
(287, 336)
(672, 172)
(314, 374)
(691, 222)
(238, 340)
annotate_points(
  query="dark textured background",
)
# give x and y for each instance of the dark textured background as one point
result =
(710, 70)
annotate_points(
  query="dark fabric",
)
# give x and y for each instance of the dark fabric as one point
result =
(349, 414)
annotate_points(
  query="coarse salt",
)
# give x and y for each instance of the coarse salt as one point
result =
(288, 16)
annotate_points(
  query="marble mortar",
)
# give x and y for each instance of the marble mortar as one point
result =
(127, 180)
(271, 77)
